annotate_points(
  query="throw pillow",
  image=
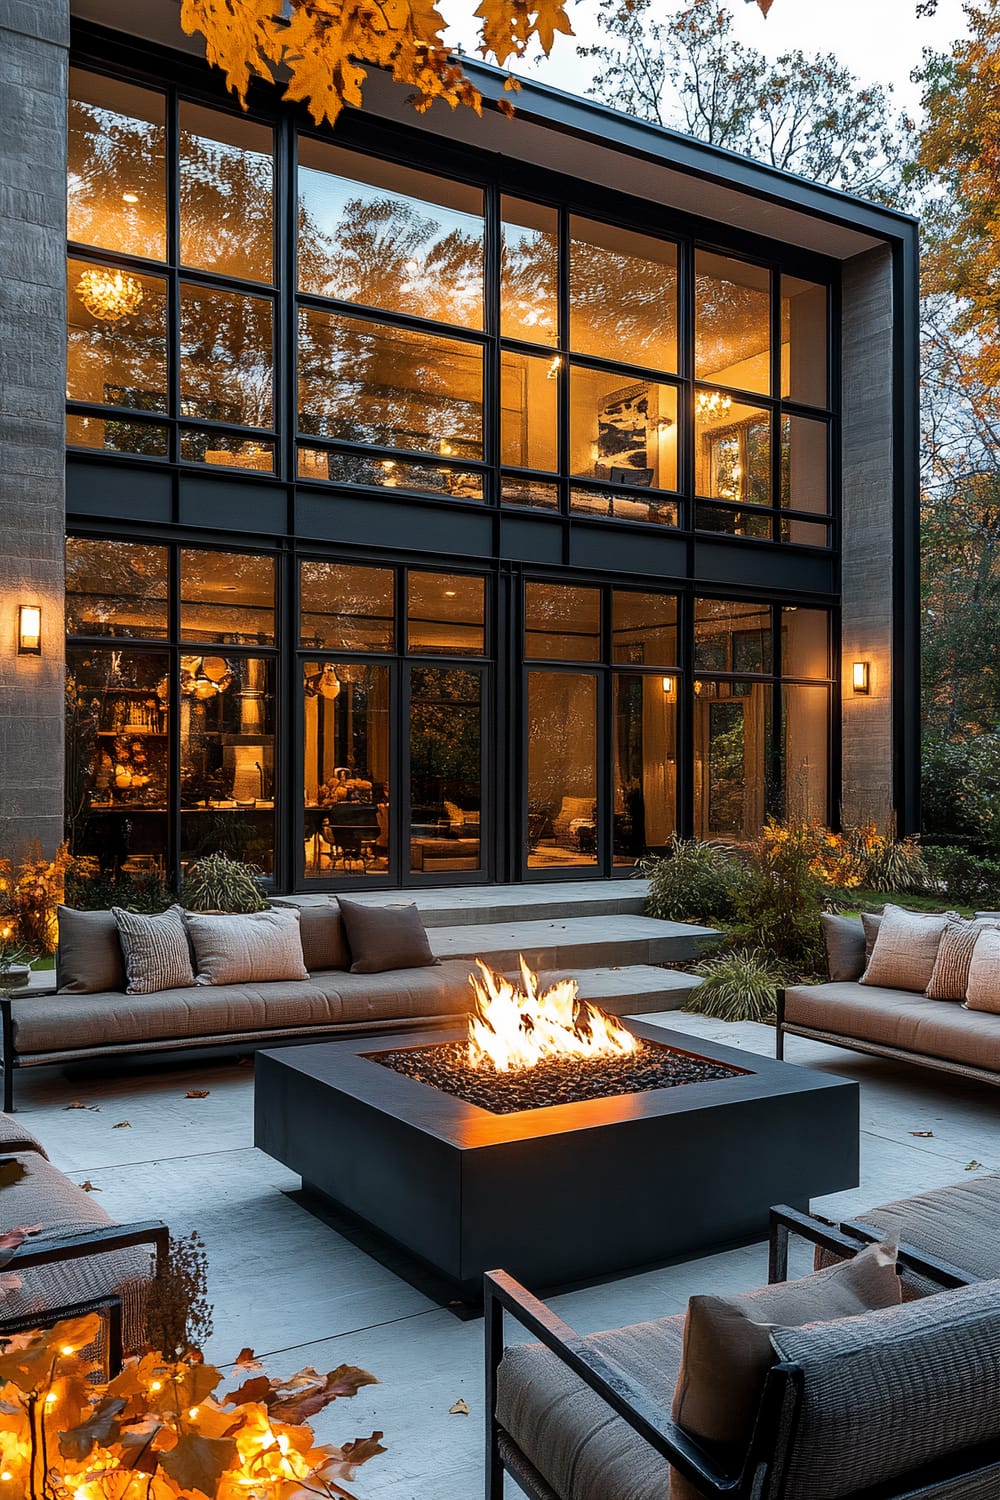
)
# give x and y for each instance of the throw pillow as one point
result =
(871, 922)
(155, 949)
(845, 946)
(905, 950)
(983, 991)
(950, 978)
(727, 1342)
(248, 948)
(324, 940)
(385, 937)
(89, 955)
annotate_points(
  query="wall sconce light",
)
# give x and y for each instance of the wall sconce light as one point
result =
(859, 677)
(29, 630)
(668, 684)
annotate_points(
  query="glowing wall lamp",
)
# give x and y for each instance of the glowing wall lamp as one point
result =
(668, 684)
(860, 677)
(29, 630)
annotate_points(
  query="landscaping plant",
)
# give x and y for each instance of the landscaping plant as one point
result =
(31, 888)
(778, 905)
(963, 877)
(741, 985)
(883, 862)
(217, 883)
(693, 882)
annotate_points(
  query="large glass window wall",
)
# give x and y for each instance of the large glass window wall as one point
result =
(577, 366)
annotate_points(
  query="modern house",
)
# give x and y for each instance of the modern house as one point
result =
(439, 498)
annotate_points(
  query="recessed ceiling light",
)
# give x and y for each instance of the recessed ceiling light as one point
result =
(130, 197)
(449, 593)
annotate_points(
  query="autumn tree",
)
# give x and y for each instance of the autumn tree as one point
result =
(807, 115)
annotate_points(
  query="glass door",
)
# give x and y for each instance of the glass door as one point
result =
(446, 741)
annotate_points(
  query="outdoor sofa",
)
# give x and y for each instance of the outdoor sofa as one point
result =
(87, 1017)
(904, 1024)
(78, 1260)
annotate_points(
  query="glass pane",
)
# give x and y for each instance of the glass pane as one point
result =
(516, 490)
(117, 723)
(562, 622)
(625, 433)
(390, 473)
(623, 507)
(732, 756)
(645, 784)
(227, 451)
(227, 710)
(227, 357)
(804, 752)
(446, 614)
(803, 533)
(346, 764)
(623, 295)
(805, 636)
(562, 769)
(644, 629)
(732, 637)
(732, 445)
(226, 189)
(803, 464)
(445, 770)
(117, 435)
(803, 341)
(117, 166)
(116, 337)
(529, 411)
(365, 382)
(115, 588)
(723, 518)
(732, 323)
(387, 236)
(529, 271)
(347, 608)
(227, 597)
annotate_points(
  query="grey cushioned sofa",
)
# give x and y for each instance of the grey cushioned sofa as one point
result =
(891, 1023)
(42, 1027)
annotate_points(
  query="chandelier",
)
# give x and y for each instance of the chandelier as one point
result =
(109, 294)
(713, 403)
(204, 677)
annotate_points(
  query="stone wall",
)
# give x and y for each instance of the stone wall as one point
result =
(34, 42)
(867, 785)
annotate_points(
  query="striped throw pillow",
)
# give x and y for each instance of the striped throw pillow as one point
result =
(155, 949)
(950, 978)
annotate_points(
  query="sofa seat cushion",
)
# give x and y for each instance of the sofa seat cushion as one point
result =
(896, 1018)
(404, 994)
(957, 1223)
(45, 1196)
(573, 1439)
(78, 1024)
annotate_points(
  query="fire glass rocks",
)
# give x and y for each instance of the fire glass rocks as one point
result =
(564, 1192)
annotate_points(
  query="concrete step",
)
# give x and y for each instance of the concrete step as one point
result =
(455, 906)
(600, 942)
(636, 990)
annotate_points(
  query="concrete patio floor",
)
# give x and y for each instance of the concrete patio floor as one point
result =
(299, 1292)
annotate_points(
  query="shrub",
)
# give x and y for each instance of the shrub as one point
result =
(960, 793)
(738, 986)
(779, 904)
(694, 882)
(217, 883)
(91, 889)
(885, 863)
(31, 887)
(963, 877)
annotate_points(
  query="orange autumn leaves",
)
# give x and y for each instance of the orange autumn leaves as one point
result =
(327, 46)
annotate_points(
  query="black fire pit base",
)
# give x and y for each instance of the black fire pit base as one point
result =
(560, 1194)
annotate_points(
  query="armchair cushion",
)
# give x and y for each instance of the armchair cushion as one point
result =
(887, 1393)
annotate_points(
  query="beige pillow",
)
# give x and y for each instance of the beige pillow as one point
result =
(727, 1342)
(155, 949)
(983, 991)
(950, 978)
(251, 947)
(906, 948)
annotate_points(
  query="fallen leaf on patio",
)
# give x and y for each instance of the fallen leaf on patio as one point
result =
(972, 1166)
(11, 1171)
(197, 1093)
(459, 1409)
(924, 1134)
(76, 1104)
(88, 1187)
(246, 1360)
(122, 1125)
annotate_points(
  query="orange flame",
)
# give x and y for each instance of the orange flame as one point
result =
(511, 1028)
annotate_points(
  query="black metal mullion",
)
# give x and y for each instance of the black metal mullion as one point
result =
(173, 207)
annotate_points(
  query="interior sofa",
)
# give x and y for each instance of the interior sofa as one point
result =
(79, 1260)
(62, 1026)
(902, 1024)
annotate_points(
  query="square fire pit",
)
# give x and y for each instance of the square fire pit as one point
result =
(560, 1193)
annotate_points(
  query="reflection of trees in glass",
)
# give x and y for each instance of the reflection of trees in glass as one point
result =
(109, 153)
(347, 608)
(123, 362)
(115, 588)
(226, 206)
(622, 306)
(226, 357)
(726, 767)
(529, 283)
(732, 325)
(445, 749)
(391, 252)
